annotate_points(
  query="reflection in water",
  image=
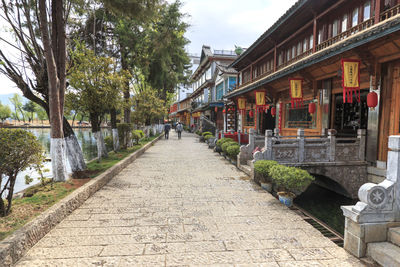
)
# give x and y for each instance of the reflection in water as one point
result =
(85, 139)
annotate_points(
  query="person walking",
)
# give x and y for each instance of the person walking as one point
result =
(179, 128)
(167, 127)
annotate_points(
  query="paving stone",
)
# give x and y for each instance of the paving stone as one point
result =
(180, 204)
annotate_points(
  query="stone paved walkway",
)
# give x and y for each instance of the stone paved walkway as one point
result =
(180, 204)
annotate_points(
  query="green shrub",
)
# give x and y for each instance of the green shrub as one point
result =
(124, 130)
(290, 179)
(233, 150)
(109, 143)
(186, 128)
(19, 149)
(198, 132)
(206, 133)
(208, 136)
(223, 140)
(226, 144)
(137, 135)
(262, 169)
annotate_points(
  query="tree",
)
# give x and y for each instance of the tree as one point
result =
(5, 112)
(29, 72)
(55, 55)
(96, 87)
(41, 114)
(16, 100)
(148, 107)
(19, 149)
(169, 62)
(30, 109)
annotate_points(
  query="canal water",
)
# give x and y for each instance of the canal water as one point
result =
(324, 205)
(85, 139)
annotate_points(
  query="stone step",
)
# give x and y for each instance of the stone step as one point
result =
(394, 235)
(384, 253)
(376, 171)
(249, 162)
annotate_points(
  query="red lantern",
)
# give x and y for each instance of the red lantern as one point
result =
(372, 100)
(311, 108)
(224, 111)
(216, 109)
(273, 111)
(251, 114)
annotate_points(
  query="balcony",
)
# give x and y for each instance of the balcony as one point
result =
(385, 15)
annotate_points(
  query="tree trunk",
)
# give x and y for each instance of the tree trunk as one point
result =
(127, 95)
(114, 130)
(74, 150)
(56, 83)
(101, 150)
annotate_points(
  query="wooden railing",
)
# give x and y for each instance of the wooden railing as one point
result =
(390, 13)
(297, 58)
(360, 27)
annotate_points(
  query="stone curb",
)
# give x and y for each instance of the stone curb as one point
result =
(15, 246)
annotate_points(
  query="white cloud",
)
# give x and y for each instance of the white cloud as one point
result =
(224, 23)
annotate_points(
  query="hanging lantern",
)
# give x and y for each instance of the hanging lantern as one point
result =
(224, 111)
(273, 111)
(251, 114)
(216, 109)
(372, 100)
(311, 108)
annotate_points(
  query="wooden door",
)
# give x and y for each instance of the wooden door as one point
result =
(390, 107)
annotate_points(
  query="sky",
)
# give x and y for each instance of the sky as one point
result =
(221, 24)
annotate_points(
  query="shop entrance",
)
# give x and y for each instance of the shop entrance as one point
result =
(267, 122)
(349, 117)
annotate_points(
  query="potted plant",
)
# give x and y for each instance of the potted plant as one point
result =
(291, 181)
(218, 145)
(225, 145)
(202, 136)
(232, 151)
(262, 174)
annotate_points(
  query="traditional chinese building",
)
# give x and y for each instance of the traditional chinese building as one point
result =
(207, 103)
(331, 44)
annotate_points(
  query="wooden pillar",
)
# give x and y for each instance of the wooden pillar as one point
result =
(251, 72)
(275, 58)
(237, 80)
(377, 10)
(314, 36)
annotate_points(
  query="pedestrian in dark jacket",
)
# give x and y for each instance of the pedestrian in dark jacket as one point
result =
(167, 128)
(179, 128)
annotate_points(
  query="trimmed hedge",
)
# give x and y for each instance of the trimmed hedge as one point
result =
(225, 145)
(291, 179)
(262, 168)
(233, 150)
(206, 133)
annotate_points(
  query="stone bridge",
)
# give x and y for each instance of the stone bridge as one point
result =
(337, 163)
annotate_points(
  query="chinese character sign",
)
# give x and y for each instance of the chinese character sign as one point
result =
(241, 103)
(296, 91)
(350, 79)
(260, 98)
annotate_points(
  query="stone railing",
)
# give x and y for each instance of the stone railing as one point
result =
(246, 151)
(156, 128)
(305, 149)
(378, 208)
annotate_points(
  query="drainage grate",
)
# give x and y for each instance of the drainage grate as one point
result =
(326, 230)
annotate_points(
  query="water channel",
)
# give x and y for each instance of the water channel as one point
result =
(85, 139)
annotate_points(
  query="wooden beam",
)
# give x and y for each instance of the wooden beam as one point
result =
(377, 11)
(296, 33)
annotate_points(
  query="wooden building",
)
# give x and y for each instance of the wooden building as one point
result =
(309, 43)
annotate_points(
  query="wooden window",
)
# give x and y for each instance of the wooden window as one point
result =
(367, 11)
(299, 48)
(320, 35)
(300, 117)
(294, 54)
(287, 55)
(310, 46)
(280, 58)
(354, 17)
(305, 45)
(335, 27)
(344, 23)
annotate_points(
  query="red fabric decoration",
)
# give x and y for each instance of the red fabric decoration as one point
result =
(351, 79)
(311, 108)
(251, 114)
(273, 111)
(372, 100)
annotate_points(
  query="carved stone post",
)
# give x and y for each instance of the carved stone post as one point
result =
(239, 137)
(222, 134)
(251, 139)
(332, 144)
(216, 134)
(276, 132)
(378, 208)
(361, 135)
(268, 145)
(324, 132)
(301, 142)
